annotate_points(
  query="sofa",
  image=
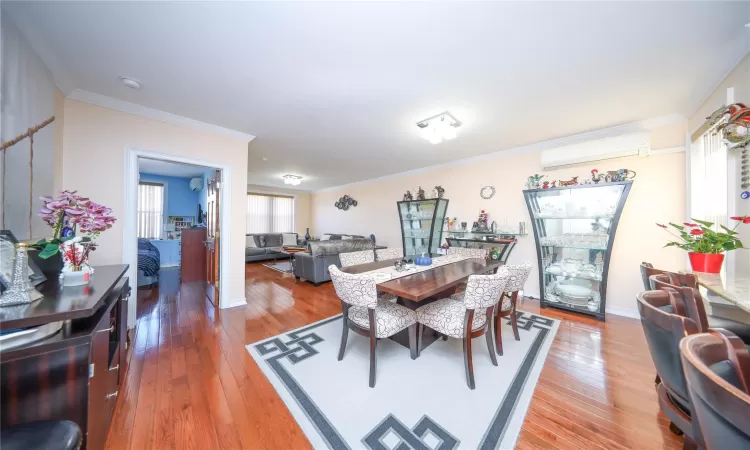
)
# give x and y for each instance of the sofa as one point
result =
(313, 265)
(265, 246)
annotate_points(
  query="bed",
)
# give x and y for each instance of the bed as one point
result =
(148, 263)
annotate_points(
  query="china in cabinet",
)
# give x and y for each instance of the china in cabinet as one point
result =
(421, 225)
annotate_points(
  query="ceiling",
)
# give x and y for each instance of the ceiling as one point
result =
(332, 91)
(171, 169)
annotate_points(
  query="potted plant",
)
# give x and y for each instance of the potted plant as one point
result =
(67, 214)
(704, 245)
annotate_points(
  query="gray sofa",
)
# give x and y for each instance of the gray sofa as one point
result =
(313, 266)
(267, 246)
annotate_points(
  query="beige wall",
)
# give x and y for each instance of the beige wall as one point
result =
(94, 142)
(302, 204)
(58, 139)
(658, 195)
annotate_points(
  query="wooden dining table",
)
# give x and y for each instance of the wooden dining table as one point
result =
(423, 288)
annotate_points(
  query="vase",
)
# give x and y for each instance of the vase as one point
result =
(706, 262)
(50, 267)
(307, 234)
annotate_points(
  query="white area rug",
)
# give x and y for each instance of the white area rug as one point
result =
(416, 404)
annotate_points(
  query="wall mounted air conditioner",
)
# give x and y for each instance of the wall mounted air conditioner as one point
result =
(196, 184)
(636, 144)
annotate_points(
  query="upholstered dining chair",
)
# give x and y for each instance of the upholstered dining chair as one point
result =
(469, 317)
(519, 273)
(389, 253)
(664, 330)
(354, 258)
(367, 315)
(717, 369)
(470, 252)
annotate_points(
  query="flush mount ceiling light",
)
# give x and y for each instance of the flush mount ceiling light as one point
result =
(438, 128)
(131, 83)
(294, 180)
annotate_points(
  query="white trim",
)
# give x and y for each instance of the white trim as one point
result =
(633, 314)
(237, 302)
(143, 111)
(664, 151)
(129, 241)
(644, 125)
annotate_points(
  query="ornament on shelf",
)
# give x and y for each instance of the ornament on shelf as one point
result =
(553, 184)
(595, 177)
(572, 182)
(533, 182)
(420, 194)
(19, 291)
(408, 197)
(545, 185)
(438, 192)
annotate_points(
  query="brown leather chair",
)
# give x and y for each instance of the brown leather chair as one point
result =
(717, 369)
(664, 330)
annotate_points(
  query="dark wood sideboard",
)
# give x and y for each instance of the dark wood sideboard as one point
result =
(76, 373)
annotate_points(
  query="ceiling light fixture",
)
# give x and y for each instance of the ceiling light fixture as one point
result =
(264, 158)
(131, 83)
(438, 128)
(294, 180)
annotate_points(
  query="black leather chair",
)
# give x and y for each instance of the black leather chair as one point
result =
(683, 280)
(663, 331)
(45, 434)
(717, 369)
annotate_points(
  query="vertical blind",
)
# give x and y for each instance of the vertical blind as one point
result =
(150, 210)
(709, 180)
(270, 214)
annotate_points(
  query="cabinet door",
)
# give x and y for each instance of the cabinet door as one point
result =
(100, 400)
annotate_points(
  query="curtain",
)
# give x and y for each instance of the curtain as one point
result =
(709, 179)
(269, 214)
(150, 210)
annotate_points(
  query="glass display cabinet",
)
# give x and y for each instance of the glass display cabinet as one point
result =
(502, 242)
(574, 229)
(421, 225)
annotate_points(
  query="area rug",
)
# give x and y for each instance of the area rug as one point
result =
(283, 266)
(416, 404)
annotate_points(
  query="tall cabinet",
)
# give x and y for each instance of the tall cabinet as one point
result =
(574, 229)
(422, 225)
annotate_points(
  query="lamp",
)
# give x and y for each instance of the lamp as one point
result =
(438, 128)
(294, 180)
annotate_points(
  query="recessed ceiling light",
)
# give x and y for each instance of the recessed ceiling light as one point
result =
(294, 180)
(438, 128)
(264, 158)
(131, 83)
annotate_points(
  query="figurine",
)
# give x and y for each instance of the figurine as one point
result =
(420, 194)
(572, 182)
(586, 181)
(440, 191)
(595, 177)
(533, 181)
(545, 185)
(619, 175)
(736, 129)
(408, 197)
(554, 184)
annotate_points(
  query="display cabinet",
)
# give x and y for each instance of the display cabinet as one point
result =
(574, 229)
(421, 225)
(502, 242)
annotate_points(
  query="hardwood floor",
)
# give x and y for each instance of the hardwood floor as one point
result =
(192, 385)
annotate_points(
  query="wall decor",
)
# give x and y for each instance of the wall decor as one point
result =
(534, 181)
(736, 130)
(487, 192)
(745, 195)
(572, 182)
(612, 176)
(345, 202)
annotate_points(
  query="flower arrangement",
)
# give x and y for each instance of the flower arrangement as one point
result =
(66, 213)
(698, 236)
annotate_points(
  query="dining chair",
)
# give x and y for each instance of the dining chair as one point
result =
(519, 273)
(717, 369)
(354, 258)
(470, 252)
(467, 318)
(663, 331)
(367, 315)
(389, 253)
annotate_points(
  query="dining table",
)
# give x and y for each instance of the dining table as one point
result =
(735, 289)
(422, 288)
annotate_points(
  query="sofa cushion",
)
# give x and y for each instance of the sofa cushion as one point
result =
(288, 239)
(250, 241)
(273, 240)
(334, 247)
(261, 240)
(254, 251)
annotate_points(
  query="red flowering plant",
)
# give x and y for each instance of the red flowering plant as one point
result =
(700, 237)
(66, 213)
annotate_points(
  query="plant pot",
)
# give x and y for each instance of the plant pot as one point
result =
(50, 267)
(706, 262)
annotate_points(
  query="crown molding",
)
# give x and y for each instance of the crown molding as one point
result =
(143, 111)
(643, 125)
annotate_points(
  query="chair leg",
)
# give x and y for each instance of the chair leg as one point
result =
(344, 335)
(674, 429)
(490, 346)
(468, 363)
(420, 338)
(513, 318)
(413, 347)
(657, 380)
(373, 345)
(499, 334)
(445, 337)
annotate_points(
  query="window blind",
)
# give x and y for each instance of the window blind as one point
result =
(270, 214)
(709, 179)
(150, 210)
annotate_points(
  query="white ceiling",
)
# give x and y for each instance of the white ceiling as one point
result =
(171, 169)
(332, 91)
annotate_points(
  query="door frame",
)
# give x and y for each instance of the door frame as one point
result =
(130, 231)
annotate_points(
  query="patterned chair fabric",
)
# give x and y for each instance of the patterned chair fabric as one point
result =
(389, 253)
(446, 316)
(355, 290)
(519, 273)
(470, 252)
(354, 258)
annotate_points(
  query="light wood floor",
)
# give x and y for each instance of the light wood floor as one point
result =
(192, 385)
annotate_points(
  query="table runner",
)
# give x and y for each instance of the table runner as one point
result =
(389, 273)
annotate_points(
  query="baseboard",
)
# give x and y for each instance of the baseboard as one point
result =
(633, 314)
(237, 302)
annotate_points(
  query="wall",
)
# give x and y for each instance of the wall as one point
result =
(181, 200)
(657, 196)
(302, 204)
(94, 144)
(28, 99)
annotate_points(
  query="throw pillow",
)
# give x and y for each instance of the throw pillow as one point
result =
(289, 239)
(346, 238)
(261, 241)
(325, 237)
(250, 241)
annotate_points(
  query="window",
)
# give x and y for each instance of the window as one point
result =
(709, 179)
(270, 214)
(150, 210)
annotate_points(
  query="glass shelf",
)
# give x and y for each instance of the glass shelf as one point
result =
(574, 277)
(607, 217)
(576, 247)
(421, 225)
(490, 233)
